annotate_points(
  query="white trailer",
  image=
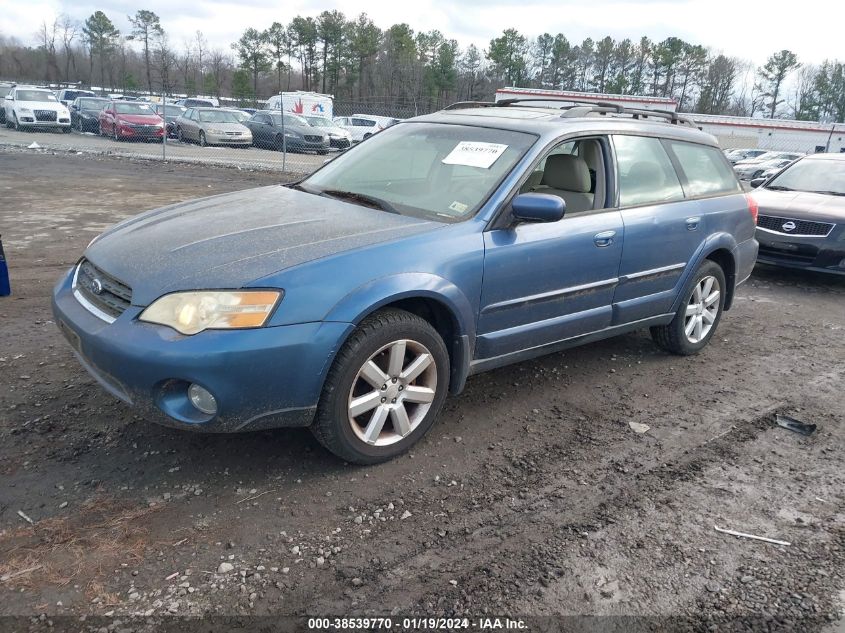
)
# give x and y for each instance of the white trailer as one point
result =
(556, 96)
(809, 137)
(300, 102)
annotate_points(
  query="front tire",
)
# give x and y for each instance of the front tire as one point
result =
(384, 389)
(699, 314)
(203, 142)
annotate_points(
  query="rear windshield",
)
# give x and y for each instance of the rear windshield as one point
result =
(35, 95)
(436, 171)
(706, 170)
(815, 175)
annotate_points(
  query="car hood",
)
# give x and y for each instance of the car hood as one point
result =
(90, 111)
(337, 131)
(801, 205)
(230, 240)
(42, 105)
(139, 119)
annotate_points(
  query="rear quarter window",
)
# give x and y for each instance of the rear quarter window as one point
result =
(705, 169)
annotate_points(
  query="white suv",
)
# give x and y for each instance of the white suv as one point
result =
(35, 107)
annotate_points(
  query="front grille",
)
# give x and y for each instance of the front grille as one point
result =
(802, 227)
(100, 290)
(45, 115)
(146, 129)
(313, 139)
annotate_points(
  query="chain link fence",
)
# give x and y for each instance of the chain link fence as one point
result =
(306, 136)
(289, 143)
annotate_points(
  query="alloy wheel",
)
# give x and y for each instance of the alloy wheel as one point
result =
(392, 392)
(702, 309)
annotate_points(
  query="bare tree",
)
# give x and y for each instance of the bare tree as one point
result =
(69, 31)
(47, 35)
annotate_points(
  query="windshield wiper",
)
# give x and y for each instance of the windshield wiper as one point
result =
(779, 188)
(370, 201)
(831, 193)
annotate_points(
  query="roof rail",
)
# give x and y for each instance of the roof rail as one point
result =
(583, 107)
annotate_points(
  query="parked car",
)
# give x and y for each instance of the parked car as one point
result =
(170, 112)
(802, 215)
(29, 108)
(132, 121)
(359, 127)
(338, 137)
(286, 132)
(774, 167)
(85, 113)
(755, 169)
(5, 89)
(742, 166)
(196, 103)
(736, 155)
(69, 95)
(354, 300)
(212, 126)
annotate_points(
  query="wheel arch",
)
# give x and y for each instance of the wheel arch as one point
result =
(432, 298)
(718, 248)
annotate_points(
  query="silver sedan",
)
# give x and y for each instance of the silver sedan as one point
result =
(212, 126)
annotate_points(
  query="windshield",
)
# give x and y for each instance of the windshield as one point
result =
(290, 119)
(240, 115)
(35, 95)
(319, 121)
(217, 116)
(818, 175)
(93, 104)
(4, 90)
(133, 108)
(172, 110)
(70, 95)
(436, 171)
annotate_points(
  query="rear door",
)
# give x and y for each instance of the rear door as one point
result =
(664, 227)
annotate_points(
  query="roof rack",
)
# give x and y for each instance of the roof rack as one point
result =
(582, 108)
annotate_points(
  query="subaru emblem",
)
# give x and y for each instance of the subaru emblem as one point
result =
(97, 287)
(789, 226)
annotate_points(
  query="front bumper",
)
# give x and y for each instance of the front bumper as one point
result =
(29, 120)
(819, 254)
(140, 133)
(340, 142)
(303, 144)
(261, 378)
(228, 139)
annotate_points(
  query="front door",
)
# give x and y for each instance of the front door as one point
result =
(547, 282)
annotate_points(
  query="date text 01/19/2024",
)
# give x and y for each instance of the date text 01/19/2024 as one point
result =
(415, 624)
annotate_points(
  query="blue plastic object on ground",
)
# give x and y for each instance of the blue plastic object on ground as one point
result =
(5, 288)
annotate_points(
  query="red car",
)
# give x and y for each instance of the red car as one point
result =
(131, 120)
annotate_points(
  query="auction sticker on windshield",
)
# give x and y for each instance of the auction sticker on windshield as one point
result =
(475, 154)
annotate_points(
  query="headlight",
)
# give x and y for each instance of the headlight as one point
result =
(213, 131)
(26, 111)
(291, 134)
(193, 312)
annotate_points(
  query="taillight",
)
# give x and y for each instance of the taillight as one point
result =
(753, 207)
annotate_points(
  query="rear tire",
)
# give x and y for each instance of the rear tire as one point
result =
(387, 345)
(698, 315)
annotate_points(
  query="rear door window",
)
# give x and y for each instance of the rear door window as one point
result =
(644, 172)
(363, 122)
(706, 171)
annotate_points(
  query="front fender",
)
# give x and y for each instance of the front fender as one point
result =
(369, 297)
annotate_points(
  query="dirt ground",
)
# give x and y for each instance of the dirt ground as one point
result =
(531, 496)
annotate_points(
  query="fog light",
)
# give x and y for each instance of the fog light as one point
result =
(202, 399)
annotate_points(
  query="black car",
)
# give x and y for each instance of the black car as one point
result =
(69, 95)
(802, 215)
(170, 112)
(195, 103)
(85, 113)
(291, 133)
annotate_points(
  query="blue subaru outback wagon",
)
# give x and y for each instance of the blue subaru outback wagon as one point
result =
(356, 299)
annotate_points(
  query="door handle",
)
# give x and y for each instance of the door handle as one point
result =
(605, 238)
(692, 223)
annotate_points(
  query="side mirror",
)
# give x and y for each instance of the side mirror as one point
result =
(538, 207)
(756, 182)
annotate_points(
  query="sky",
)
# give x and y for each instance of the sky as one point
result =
(749, 30)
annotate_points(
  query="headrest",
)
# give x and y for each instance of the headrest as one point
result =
(567, 172)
